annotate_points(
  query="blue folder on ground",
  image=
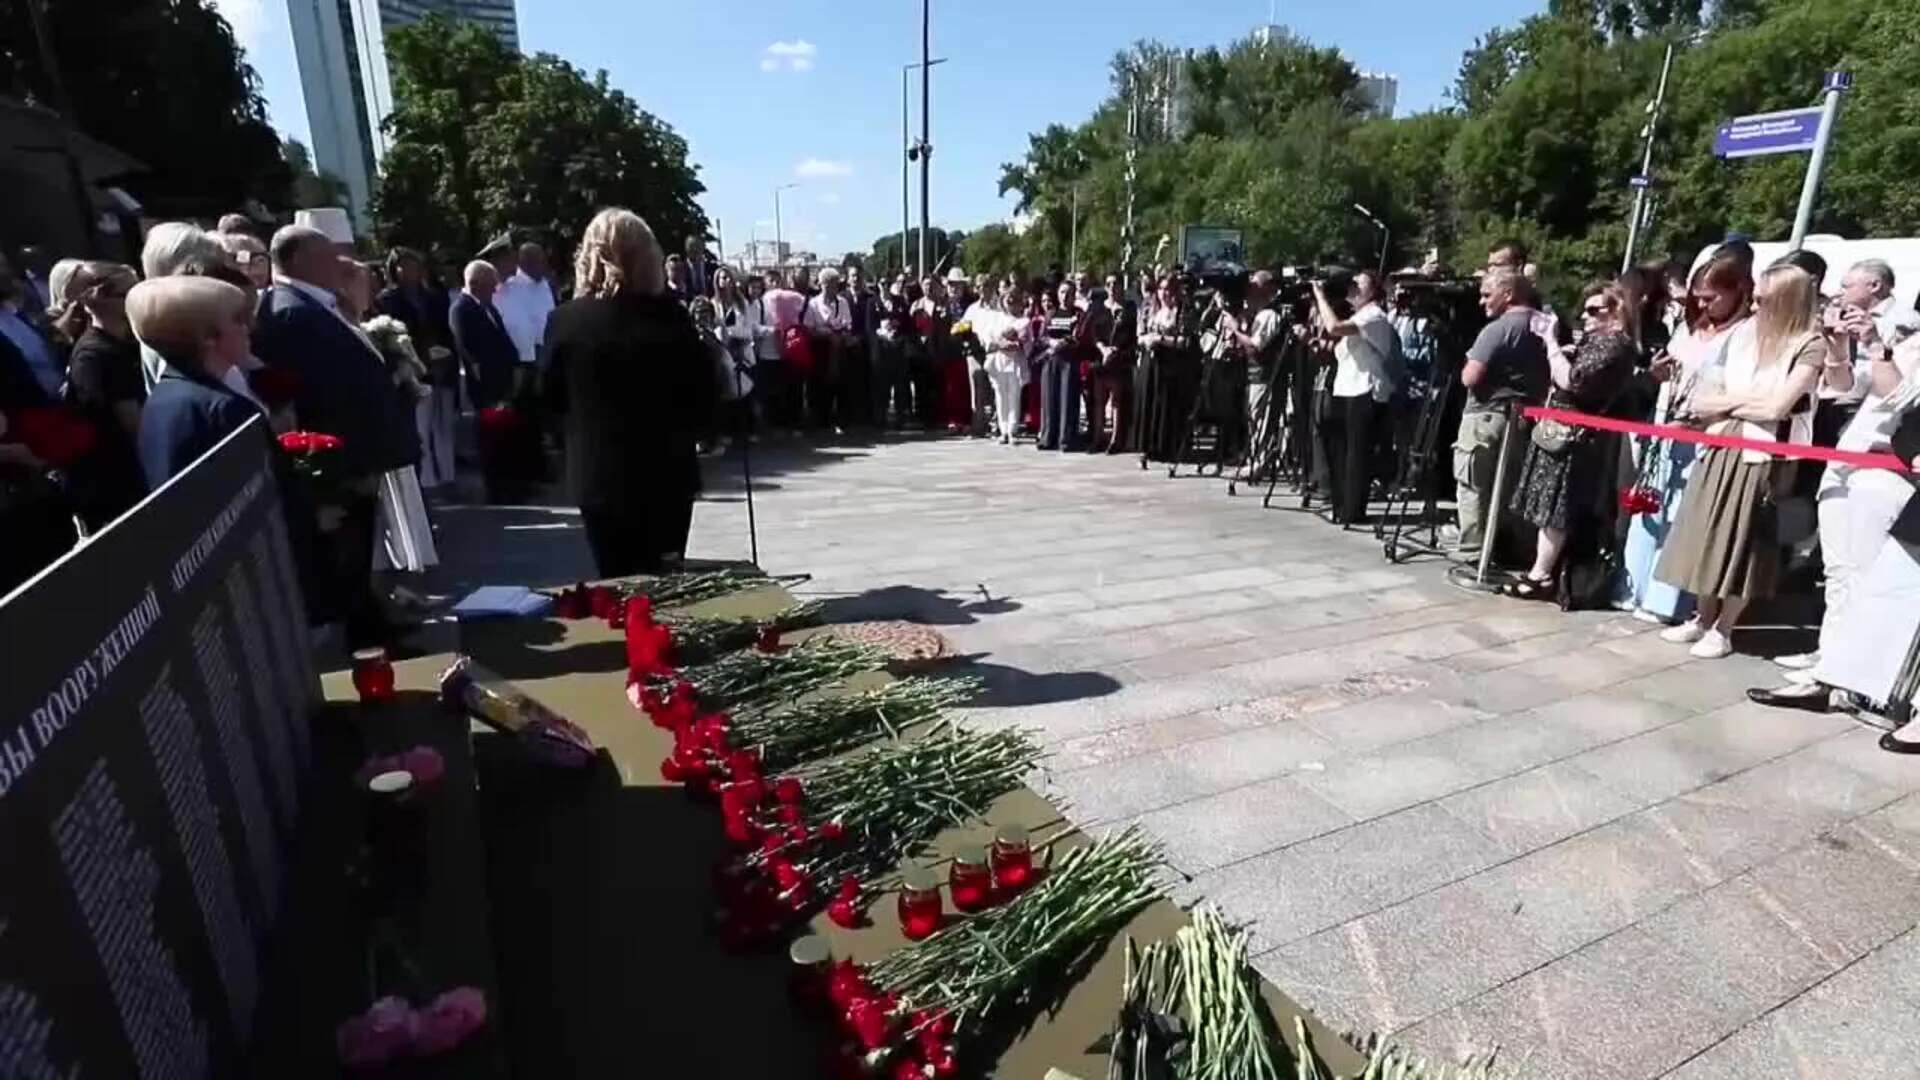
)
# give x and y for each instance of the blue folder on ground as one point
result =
(502, 601)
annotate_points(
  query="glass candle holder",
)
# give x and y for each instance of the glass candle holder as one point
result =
(807, 976)
(1012, 858)
(372, 675)
(970, 881)
(920, 909)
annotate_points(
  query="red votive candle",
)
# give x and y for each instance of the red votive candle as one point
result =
(807, 978)
(372, 675)
(970, 881)
(920, 910)
(1012, 858)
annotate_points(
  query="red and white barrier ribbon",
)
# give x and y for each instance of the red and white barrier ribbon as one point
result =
(1730, 442)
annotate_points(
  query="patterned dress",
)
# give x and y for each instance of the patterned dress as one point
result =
(1556, 488)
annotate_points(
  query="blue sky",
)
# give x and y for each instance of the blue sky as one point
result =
(769, 92)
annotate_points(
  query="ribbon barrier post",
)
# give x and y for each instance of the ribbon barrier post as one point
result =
(1492, 527)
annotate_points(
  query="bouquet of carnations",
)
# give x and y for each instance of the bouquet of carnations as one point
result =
(912, 1006)
(849, 822)
(317, 460)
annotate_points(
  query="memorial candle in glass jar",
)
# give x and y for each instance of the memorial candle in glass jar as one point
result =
(1012, 859)
(970, 881)
(807, 978)
(372, 675)
(920, 910)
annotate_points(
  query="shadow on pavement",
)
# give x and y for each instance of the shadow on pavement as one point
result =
(934, 607)
(1009, 687)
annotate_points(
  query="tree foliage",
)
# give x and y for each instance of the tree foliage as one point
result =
(163, 81)
(485, 141)
(1544, 131)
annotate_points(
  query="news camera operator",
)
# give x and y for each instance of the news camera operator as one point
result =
(1363, 383)
(1259, 338)
(1223, 345)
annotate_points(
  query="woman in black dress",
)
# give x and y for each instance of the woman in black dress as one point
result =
(1568, 490)
(105, 385)
(1170, 377)
(634, 385)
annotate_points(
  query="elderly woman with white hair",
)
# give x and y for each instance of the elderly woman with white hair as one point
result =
(829, 319)
(631, 381)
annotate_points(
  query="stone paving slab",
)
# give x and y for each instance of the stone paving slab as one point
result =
(1456, 818)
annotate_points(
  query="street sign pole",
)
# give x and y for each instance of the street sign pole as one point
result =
(1646, 163)
(1837, 83)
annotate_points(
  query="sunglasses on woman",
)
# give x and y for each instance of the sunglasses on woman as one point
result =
(1598, 311)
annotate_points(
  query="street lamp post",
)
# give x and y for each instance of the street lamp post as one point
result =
(779, 248)
(907, 155)
(926, 147)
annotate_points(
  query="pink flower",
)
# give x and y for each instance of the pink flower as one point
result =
(447, 1022)
(425, 763)
(384, 1033)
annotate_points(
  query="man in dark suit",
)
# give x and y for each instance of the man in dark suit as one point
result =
(480, 336)
(421, 306)
(343, 390)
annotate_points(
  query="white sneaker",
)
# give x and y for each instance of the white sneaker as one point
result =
(1798, 661)
(1713, 645)
(1685, 634)
(1800, 678)
(1647, 616)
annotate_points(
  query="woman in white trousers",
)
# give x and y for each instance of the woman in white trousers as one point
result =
(1007, 342)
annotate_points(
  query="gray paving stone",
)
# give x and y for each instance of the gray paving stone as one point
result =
(1389, 970)
(1626, 1007)
(1593, 884)
(1538, 807)
(1385, 721)
(1843, 1028)
(1845, 890)
(1369, 785)
(1242, 822)
(1326, 881)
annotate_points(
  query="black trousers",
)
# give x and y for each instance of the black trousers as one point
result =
(633, 541)
(1347, 436)
(1059, 401)
(1115, 386)
(351, 551)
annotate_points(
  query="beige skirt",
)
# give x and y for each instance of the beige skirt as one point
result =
(1726, 541)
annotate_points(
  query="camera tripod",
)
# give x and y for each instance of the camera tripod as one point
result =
(1223, 376)
(1417, 476)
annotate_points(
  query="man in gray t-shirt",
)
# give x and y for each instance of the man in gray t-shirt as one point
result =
(1507, 363)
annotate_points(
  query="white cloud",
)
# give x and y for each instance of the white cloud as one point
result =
(815, 168)
(796, 55)
(247, 17)
(831, 198)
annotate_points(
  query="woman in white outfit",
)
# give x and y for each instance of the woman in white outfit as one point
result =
(1861, 646)
(1008, 339)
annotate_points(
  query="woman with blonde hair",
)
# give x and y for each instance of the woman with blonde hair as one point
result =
(631, 380)
(1725, 547)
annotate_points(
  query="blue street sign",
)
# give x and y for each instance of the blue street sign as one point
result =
(1768, 133)
(1838, 80)
(1640, 181)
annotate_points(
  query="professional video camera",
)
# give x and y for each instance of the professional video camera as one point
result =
(1454, 300)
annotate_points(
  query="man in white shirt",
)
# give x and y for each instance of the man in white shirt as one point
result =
(524, 300)
(1363, 381)
(1866, 287)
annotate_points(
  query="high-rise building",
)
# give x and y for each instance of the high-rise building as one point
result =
(341, 48)
(1380, 91)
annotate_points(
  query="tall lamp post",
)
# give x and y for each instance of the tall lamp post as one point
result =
(926, 147)
(779, 247)
(908, 153)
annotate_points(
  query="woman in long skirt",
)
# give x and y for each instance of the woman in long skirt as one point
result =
(1718, 300)
(1173, 377)
(1725, 549)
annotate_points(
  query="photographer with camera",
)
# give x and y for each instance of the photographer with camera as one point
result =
(1171, 372)
(1363, 382)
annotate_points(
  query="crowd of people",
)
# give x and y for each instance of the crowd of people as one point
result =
(653, 359)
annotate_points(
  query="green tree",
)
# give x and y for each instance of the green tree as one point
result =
(886, 249)
(164, 82)
(486, 141)
(311, 188)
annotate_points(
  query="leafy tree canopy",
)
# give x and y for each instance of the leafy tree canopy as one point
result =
(162, 81)
(485, 141)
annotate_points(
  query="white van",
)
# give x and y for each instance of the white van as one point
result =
(1901, 253)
